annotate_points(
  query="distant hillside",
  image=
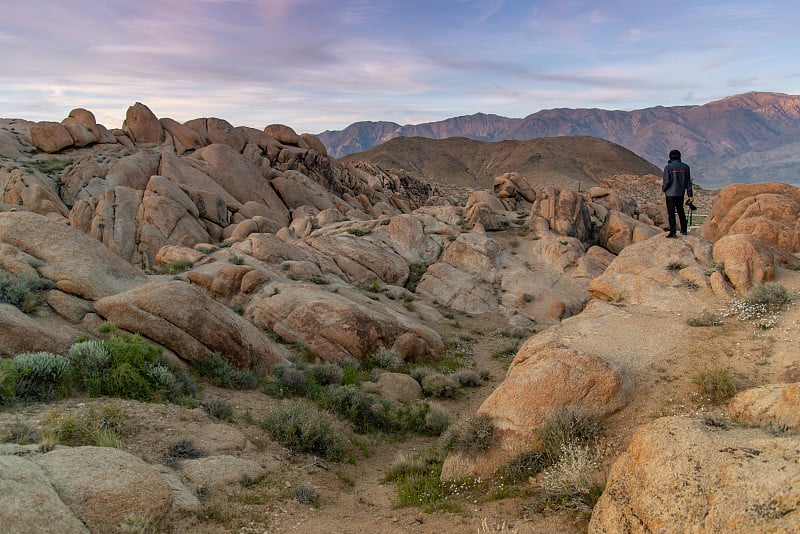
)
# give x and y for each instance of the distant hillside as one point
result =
(747, 138)
(559, 161)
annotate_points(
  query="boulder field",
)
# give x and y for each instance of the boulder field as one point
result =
(208, 238)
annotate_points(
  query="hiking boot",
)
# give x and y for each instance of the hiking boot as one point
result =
(671, 236)
(684, 233)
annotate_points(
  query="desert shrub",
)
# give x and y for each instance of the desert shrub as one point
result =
(439, 386)
(19, 432)
(467, 378)
(23, 291)
(92, 363)
(306, 493)
(107, 327)
(218, 409)
(371, 287)
(569, 483)
(223, 373)
(521, 467)
(326, 374)
(175, 267)
(126, 366)
(771, 295)
(236, 260)
(8, 382)
(470, 437)
(421, 418)
(100, 427)
(366, 411)
(567, 425)
(705, 319)
(183, 449)
(419, 373)
(719, 384)
(131, 349)
(415, 463)
(305, 428)
(354, 373)
(384, 359)
(415, 273)
(49, 166)
(40, 376)
(289, 381)
(127, 382)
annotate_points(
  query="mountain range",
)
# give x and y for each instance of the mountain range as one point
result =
(747, 138)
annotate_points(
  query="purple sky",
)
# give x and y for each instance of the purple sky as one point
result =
(318, 64)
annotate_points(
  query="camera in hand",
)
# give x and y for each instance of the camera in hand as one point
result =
(690, 204)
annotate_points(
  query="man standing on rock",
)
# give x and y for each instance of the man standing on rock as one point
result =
(677, 179)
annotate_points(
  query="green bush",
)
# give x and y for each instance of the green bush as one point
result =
(770, 295)
(223, 373)
(92, 363)
(440, 386)
(326, 374)
(289, 381)
(8, 382)
(175, 267)
(366, 411)
(132, 349)
(421, 418)
(384, 358)
(23, 291)
(40, 376)
(127, 382)
(567, 425)
(305, 428)
(719, 384)
(415, 273)
(128, 367)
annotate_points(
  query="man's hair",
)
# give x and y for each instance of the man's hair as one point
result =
(675, 154)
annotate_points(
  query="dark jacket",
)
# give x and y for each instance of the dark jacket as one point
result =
(677, 179)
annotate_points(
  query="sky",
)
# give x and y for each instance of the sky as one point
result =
(320, 65)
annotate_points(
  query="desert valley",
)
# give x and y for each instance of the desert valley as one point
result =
(210, 328)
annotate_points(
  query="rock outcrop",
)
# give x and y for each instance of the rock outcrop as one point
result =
(681, 475)
(29, 503)
(76, 263)
(104, 486)
(769, 211)
(184, 319)
(543, 376)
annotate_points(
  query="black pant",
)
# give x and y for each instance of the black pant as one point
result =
(676, 204)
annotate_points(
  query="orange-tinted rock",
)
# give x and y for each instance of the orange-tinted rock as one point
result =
(748, 260)
(768, 210)
(142, 126)
(50, 137)
(191, 324)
